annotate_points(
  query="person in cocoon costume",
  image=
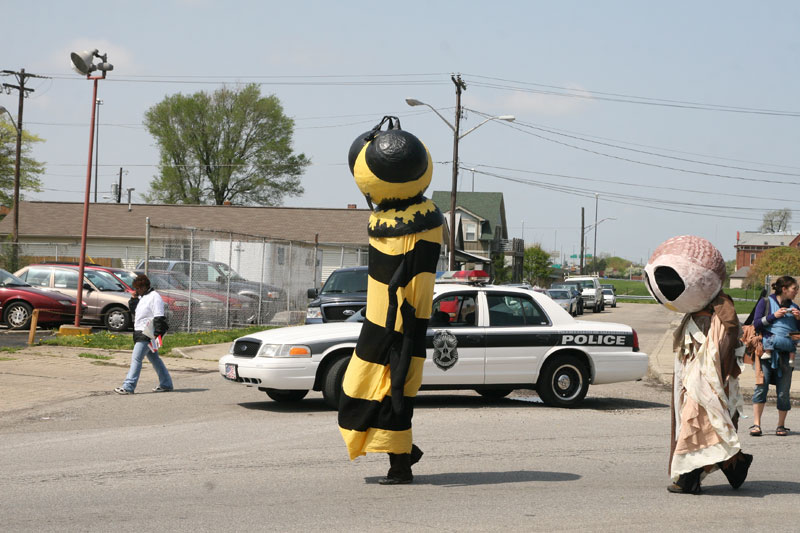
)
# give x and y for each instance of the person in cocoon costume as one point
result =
(392, 168)
(685, 274)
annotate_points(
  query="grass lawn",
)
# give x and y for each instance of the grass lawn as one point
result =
(637, 288)
(124, 341)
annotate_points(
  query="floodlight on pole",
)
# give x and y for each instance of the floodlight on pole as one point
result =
(83, 63)
(457, 136)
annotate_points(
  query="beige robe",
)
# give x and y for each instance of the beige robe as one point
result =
(706, 402)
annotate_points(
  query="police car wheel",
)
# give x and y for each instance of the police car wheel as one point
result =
(286, 395)
(564, 382)
(332, 387)
(494, 394)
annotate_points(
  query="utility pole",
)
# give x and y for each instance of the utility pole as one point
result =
(98, 103)
(119, 188)
(21, 76)
(460, 86)
(594, 252)
(582, 222)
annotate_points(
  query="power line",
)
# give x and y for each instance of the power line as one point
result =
(626, 98)
(632, 184)
(629, 160)
(628, 199)
(686, 160)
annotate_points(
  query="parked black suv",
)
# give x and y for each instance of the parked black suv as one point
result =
(217, 276)
(342, 295)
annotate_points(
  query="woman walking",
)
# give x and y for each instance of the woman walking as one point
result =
(149, 323)
(775, 318)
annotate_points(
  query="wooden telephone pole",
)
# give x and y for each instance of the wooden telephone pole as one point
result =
(21, 76)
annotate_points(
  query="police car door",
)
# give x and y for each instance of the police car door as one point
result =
(517, 338)
(455, 343)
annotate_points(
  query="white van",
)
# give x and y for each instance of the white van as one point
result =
(592, 293)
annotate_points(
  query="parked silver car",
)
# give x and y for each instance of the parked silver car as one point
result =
(106, 299)
(566, 299)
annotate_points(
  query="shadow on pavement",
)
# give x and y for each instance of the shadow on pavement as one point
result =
(464, 479)
(455, 401)
(754, 489)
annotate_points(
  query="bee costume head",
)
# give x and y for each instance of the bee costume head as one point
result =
(390, 166)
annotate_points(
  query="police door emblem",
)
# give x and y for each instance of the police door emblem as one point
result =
(445, 353)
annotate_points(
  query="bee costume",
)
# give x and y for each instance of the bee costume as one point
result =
(392, 168)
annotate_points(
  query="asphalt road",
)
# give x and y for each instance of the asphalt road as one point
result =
(216, 456)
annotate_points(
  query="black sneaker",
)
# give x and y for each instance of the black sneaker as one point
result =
(162, 389)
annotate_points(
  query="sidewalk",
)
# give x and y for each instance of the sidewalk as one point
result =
(662, 368)
(42, 375)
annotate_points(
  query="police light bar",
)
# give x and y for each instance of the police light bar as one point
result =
(471, 276)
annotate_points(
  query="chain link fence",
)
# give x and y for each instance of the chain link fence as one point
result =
(209, 279)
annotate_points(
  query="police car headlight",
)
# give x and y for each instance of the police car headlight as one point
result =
(314, 312)
(284, 350)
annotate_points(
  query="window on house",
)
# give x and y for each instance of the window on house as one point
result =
(281, 255)
(470, 231)
(752, 258)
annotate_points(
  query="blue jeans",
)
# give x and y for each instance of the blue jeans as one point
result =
(140, 349)
(782, 383)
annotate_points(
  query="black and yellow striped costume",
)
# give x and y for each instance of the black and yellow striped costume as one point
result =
(392, 168)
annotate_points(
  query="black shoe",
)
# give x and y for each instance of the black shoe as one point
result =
(688, 483)
(392, 480)
(737, 472)
(677, 489)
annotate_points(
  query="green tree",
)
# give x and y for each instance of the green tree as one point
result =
(536, 265)
(232, 145)
(617, 264)
(500, 270)
(29, 170)
(730, 267)
(780, 261)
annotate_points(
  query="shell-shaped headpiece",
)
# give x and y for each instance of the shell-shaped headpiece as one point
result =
(685, 273)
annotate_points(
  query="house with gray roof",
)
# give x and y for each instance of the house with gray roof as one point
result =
(750, 244)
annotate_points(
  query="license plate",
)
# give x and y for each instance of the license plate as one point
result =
(231, 372)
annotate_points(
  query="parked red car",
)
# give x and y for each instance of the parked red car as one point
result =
(18, 300)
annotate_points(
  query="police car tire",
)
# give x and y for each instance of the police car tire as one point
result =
(332, 387)
(286, 395)
(574, 386)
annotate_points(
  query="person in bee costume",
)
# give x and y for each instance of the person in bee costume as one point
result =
(392, 168)
(685, 274)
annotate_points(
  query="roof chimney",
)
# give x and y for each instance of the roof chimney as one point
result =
(351, 206)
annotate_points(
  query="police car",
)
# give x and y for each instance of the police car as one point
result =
(489, 338)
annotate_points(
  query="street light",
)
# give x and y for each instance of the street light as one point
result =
(456, 137)
(594, 252)
(15, 229)
(83, 63)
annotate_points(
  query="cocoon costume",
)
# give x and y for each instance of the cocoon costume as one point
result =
(392, 168)
(686, 274)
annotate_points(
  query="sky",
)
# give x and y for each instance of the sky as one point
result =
(659, 119)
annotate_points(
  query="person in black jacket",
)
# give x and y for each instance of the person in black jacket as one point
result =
(149, 323)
